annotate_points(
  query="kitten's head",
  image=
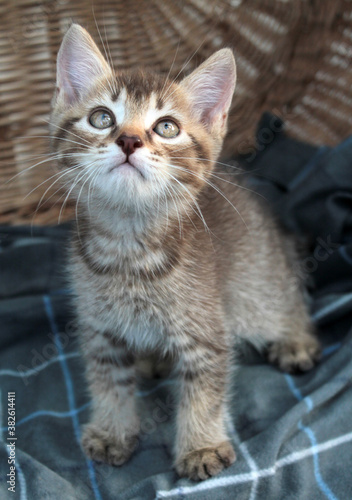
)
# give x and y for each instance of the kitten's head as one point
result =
(135, 139)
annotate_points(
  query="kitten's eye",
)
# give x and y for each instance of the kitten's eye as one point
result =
(101, 119)
(167, 129)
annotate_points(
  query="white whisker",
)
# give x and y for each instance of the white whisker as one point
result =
(213, 186)
(77, 179)
(68, 131)
(172, 65)
(182, 68)
(106, 54)
(55, 138)
(207, 159)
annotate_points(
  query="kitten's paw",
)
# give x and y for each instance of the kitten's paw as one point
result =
(206, 462)
(295, 356)
(101, 446)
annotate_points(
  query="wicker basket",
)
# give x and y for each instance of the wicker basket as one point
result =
(293, 56)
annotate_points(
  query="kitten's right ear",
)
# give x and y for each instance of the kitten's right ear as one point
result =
(79, 64)
(210, 89)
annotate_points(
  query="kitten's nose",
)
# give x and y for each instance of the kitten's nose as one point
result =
(129, 143)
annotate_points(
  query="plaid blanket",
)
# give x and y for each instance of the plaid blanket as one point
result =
(293, 434)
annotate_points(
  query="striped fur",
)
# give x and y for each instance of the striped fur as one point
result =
(169, 256)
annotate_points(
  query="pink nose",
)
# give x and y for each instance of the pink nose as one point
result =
(129, 144)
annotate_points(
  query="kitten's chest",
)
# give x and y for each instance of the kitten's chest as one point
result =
(131, 289)
(148, 316)
(140, 312)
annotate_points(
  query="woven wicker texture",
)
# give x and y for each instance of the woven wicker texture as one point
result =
(293, 57)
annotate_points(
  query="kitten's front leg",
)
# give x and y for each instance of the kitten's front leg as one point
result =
(111, 434)
(203, 448)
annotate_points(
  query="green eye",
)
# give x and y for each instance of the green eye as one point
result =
(167, 129)
(101, 119)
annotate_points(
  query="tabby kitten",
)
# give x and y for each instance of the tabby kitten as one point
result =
(169, 256)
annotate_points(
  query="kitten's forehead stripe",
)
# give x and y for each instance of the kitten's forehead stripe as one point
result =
(141, 84)
(159, 103)
(115, 95)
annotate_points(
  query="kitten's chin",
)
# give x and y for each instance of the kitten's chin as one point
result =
(126, 169)
(123, 185)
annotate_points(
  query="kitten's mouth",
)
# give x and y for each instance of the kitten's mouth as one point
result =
(126, 167)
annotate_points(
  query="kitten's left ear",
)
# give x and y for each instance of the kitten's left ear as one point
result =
(210, 88)
(79, 64)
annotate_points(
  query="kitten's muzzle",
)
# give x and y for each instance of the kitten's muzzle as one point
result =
(129, 144)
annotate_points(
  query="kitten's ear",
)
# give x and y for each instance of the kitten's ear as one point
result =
(79, 64)
(210, 88)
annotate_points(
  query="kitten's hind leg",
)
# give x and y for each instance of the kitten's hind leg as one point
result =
(297, 354)
(296, 348)
(112, 433)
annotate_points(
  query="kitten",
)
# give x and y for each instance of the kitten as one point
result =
(169, 256)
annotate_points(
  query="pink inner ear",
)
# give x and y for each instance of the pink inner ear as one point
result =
(77, 71)
(79, 64)
(211, 87)
(217, 99)
(65, 79)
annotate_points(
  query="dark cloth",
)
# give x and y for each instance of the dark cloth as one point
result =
(292, 434)
(310, 189)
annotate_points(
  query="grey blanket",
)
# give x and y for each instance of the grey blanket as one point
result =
(292, 434)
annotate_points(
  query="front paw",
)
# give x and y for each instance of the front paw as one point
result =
(206, 462)
(102, 446)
